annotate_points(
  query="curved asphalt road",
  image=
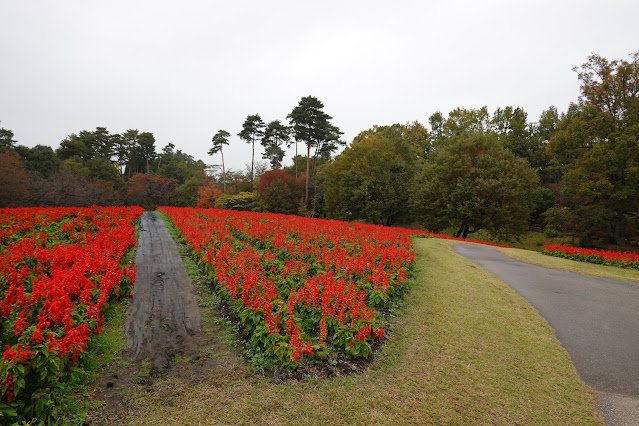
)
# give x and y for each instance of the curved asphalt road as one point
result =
(595, 319)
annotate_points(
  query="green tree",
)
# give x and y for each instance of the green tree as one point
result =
(178, 165)
(252, 130)
(121, 150)
(127, 150)
(40, 160)
(419, 138)
(220, 139)
(459, 121)
(372, 179)
(515, 133)
(472, 182)
(101, 169)
(75, 166)
(87, 144)
(312, 126)
(72, 147)
(275, 135)
(6, 139)
(245, 201)
(141, 151)
(543, 131)
(595, 149)
(186, 194)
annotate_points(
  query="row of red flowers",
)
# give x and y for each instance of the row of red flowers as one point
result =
(59, 267)
(302, 288)
(611, 258)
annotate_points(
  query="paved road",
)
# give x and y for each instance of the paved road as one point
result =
(595, 319)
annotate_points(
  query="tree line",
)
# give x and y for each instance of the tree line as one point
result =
(569, 173)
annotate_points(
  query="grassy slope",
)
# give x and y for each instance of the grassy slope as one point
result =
(467, 349)
(572, 265)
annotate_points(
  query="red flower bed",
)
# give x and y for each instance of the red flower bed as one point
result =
(302, 288)
(611, 258)
(58, 269)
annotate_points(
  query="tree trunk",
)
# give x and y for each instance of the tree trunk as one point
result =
(314, 182)
(223, 171)
(252, 162)
(308, 171)
(467, 231)
(464, 230)
(296, 160)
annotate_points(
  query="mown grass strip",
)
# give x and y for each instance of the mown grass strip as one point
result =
(467, 350)
(572, 265)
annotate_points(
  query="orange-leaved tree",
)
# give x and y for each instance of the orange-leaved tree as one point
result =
(207, 194)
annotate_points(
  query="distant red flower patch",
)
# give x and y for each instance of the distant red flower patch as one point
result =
(602, 257)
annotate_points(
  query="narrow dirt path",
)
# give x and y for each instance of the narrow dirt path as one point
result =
(163, 314)
(595, 319)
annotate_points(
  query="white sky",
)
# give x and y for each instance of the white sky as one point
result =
(184, 70)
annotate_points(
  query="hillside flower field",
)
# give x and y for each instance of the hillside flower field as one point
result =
(305, 291)
(59, 267)
(302, 288)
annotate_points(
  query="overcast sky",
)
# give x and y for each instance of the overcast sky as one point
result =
(185, 69)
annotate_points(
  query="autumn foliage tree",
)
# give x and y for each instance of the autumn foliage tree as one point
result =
(150, 191)
(279, 191)
(207, 194)
(13, 181)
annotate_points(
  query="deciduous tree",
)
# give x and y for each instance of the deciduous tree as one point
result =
(207, 194)
(596, 149)
(472, 182)
(150, 191)
(372, 179)
(279, 192)
(13, 181)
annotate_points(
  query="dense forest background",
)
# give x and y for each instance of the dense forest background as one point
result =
(574, 173)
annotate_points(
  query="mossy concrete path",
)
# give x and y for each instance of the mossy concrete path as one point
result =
(163, 314)
(595, 319)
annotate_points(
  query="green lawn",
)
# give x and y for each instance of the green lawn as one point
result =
(465, 350)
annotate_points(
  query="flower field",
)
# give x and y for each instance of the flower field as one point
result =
(610, 258)
(303, 289)
(59, 267)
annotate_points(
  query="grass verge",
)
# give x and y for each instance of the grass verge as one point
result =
(572, 265)
(467, 349)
